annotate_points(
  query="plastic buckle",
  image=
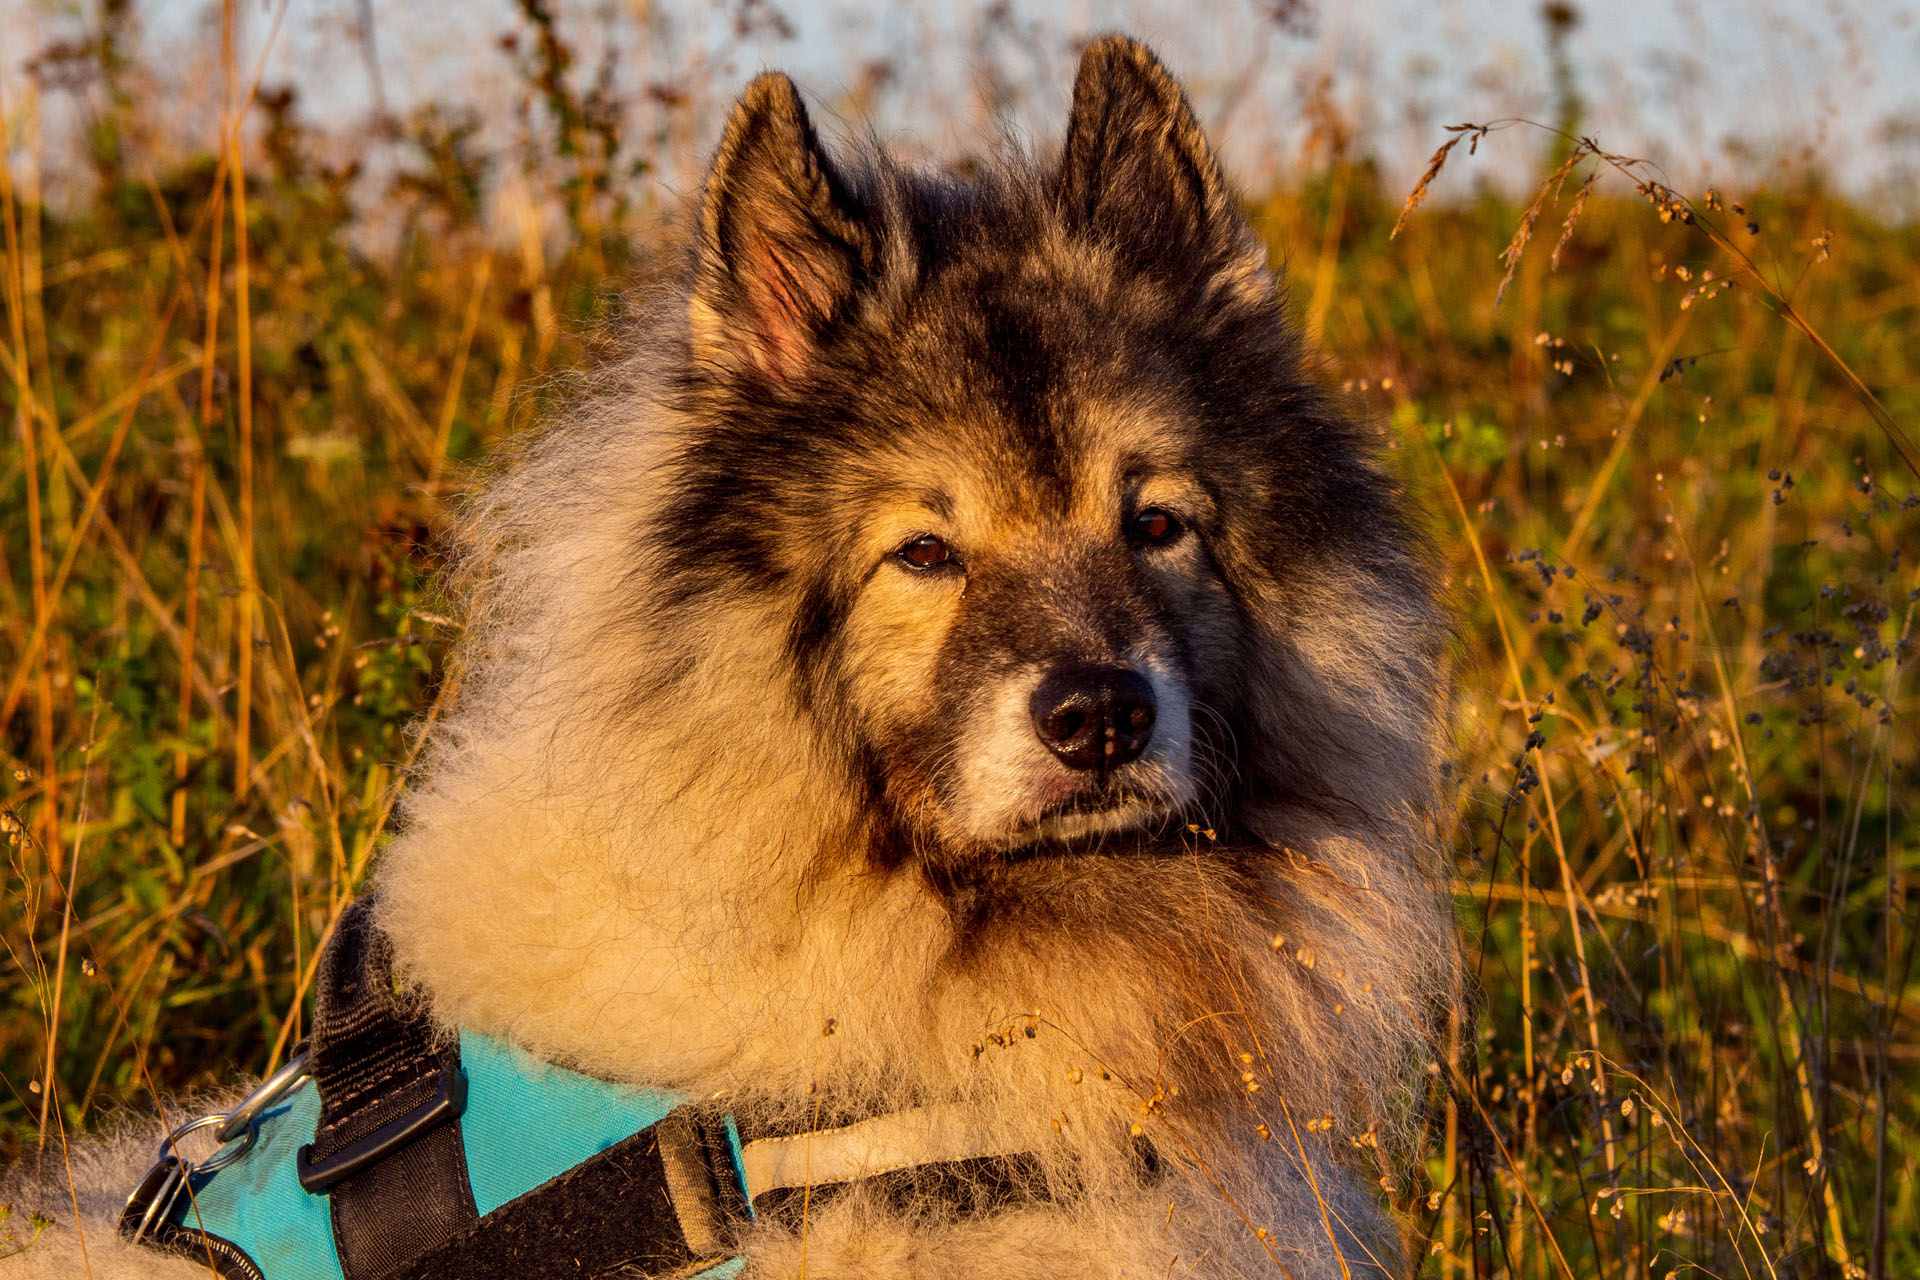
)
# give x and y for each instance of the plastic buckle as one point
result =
(449, 1100)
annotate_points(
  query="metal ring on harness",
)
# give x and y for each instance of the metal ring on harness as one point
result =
(239, 1130)
(159, 1199)
(173, 1169)
(170, 1145)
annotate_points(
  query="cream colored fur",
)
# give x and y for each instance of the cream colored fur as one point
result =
(650, 889)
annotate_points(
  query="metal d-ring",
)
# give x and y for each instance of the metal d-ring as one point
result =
(243, 1118)
(238, 1130)
(170, 1145)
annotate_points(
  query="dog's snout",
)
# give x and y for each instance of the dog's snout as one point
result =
(1094, 717)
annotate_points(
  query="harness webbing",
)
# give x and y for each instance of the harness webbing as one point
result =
(381, 1073)
(616, 1210)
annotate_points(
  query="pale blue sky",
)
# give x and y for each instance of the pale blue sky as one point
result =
(1674, 79)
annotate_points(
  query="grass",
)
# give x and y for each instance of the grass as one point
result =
(1670, 473)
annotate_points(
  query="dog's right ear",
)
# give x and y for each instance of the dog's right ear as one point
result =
(1138, 175)
(784, 246)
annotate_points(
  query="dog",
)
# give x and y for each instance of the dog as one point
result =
(962, 657)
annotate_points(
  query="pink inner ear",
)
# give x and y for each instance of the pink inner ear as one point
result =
(788, 297)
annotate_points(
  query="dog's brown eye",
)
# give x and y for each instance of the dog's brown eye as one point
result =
(1155, 525)
(926, 552)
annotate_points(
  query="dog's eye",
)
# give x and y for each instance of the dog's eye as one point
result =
(1155, 524)
(926, 552)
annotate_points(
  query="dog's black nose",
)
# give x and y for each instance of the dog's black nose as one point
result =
(1093, 717)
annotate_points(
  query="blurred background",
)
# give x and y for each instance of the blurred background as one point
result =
(1640, 338)
(1716, 90)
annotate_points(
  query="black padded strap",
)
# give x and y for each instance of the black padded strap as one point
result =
(643, 1207)
(387, 1150)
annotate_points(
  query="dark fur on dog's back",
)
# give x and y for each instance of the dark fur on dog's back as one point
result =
(750, 790)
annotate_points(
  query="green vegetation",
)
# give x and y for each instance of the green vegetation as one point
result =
(1679, 530)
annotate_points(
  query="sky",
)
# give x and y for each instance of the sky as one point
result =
(1722, 91)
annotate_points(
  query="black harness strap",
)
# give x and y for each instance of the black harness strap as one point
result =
(387, 1151)
(635, 1207)
(966, 1187)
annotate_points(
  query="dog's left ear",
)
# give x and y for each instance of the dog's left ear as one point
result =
(1138, 174)
(784, 246)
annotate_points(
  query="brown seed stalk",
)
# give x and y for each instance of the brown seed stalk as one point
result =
(1524, 232)
(1573, 216)
(1419, 192)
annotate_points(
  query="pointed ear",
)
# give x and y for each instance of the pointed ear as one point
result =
(783, 246)
(1138, 174)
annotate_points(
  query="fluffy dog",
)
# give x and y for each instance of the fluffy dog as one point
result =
(962, 658)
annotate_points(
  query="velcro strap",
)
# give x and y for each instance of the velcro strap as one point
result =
(944, 1158)
(965, 1188)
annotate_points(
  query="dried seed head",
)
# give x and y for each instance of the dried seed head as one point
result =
(1419, 191)
(1524, 232)
(1573, 215)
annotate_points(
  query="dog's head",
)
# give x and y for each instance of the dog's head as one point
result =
(861, 652)
(1033, 470)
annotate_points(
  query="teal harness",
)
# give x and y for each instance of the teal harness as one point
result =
(382, 1152)
(525, 1123)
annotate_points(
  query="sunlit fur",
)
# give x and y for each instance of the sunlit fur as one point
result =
(732, 801)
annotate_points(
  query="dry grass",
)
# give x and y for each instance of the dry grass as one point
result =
(1668, 464)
